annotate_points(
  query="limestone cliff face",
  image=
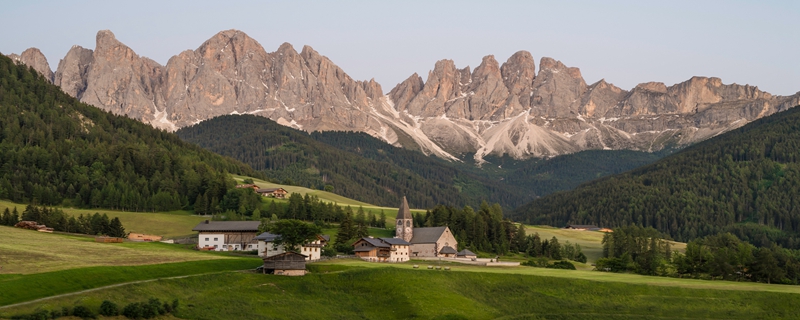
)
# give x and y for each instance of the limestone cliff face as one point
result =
(493, 109)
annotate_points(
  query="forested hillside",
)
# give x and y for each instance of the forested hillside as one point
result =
(359, 166)
(746, 182)
(294, 157)
(55, 150)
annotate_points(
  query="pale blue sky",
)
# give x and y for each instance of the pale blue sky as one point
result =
(625, 42)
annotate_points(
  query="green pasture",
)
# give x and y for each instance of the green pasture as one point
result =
(21, 288)
(355, 290)
(27, 252)
(172, 224)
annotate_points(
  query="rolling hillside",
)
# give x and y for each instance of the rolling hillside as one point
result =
(745, 182)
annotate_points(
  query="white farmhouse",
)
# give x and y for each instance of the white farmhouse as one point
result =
(227, 235)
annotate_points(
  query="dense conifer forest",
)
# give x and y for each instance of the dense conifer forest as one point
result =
(744, 182)
(55, 150)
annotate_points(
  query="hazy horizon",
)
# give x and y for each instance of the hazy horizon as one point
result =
(625, 42)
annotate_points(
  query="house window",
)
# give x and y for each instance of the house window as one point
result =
(215, 246)
(215, 239)
(206, 239)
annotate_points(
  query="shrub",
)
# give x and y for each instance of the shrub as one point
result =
(109, 309)
(83, 312)
(563, 264)
(132, 311)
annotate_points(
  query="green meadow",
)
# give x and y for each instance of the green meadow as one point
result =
(397, 292)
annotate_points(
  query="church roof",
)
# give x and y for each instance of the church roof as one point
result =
(427, 235)
(447, 250)
(404, 212)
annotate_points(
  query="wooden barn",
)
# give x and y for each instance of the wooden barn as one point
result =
(285, 264)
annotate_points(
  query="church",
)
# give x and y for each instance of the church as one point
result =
(425, 242)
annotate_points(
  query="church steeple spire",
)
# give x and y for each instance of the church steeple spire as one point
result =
(405, 222)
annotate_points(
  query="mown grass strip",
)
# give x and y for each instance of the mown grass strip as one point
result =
(20, 288)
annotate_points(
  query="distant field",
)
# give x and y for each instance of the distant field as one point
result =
(390, 212)
(357, 290)
(28, 252)
(173, 224)
(590, 241)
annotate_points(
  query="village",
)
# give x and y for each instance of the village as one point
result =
(409, 242)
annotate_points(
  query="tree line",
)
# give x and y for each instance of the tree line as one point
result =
(716, 257)
(55, 150)
(92, 224)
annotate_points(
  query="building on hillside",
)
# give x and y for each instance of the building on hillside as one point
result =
(425, 242)
(227, 235)
(279, 193)
(466, 254)
(286, 264)
(312, 250)
(587, 227)
(248, 186)
(382, 249)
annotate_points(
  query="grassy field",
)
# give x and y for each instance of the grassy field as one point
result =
(21, 288)
(28, 252)
(173, 224)
(380, 291)
(390, 212)
(590, 241)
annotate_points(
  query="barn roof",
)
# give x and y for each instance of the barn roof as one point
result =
(427, 235)
(228, 226)
(288, 255)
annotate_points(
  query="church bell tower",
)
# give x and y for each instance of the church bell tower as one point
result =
(405, 223)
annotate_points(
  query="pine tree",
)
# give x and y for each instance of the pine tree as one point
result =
(115, 228)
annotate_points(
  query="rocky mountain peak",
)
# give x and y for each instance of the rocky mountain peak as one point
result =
(34, 58)
(511, 109)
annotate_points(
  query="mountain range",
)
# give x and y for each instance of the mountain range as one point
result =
(456, 113)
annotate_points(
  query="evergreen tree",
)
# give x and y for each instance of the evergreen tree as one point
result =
(116, 229)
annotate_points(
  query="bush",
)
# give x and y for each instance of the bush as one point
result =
(563, 264)
(37, 315)
(83, 313)
(109, 309)
(132, 311)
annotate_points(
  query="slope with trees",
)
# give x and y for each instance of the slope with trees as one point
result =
(745, 182)
(55, 150)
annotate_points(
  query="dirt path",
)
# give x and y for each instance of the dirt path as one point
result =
(107, 287)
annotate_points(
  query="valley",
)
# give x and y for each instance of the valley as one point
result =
(235, 183)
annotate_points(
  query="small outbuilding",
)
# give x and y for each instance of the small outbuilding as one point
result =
(466, 254)
(279, 193)
(448, 252)
(285, 264)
